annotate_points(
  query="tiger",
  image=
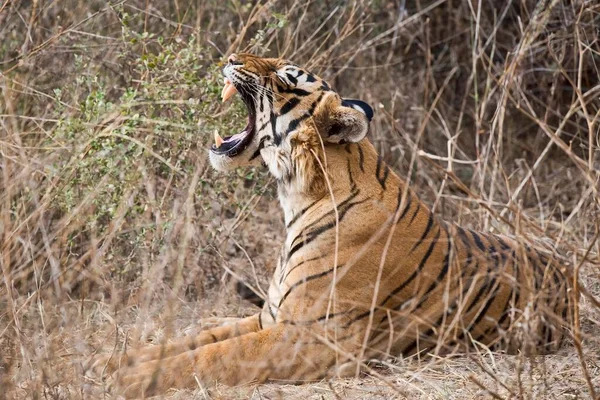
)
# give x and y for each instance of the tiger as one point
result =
(366, 270)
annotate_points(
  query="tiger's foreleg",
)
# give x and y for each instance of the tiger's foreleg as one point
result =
(280, 352)
(110, 363)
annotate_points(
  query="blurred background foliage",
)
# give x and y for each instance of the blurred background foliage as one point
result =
(107, 110)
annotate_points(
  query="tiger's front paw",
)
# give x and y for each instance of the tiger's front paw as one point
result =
(106, 364)
(145, 380)
(156, 377)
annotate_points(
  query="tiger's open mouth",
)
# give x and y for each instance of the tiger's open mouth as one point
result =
(233, 145)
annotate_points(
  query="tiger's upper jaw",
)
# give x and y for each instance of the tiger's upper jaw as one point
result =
(283, 99)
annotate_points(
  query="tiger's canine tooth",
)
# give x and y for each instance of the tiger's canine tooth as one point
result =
(228, 90)
(218, 139)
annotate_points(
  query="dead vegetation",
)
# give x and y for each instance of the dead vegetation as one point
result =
(114, 228)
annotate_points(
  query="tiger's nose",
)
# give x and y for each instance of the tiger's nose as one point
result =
(232, 59)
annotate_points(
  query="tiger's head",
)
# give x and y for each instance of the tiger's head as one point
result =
(287, 107)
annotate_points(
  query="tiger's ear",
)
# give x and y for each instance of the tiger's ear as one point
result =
(359, 105)
(349, 122)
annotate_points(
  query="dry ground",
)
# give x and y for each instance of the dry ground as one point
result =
(114, 229)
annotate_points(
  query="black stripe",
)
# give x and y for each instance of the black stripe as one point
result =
(270, 95)
(261, 145)
(477, 240)
(550, 263)
(295, 122)
(291, 78)
(264, 125)
(299, 265)
(276, 135)
(465, 291)
(502, 252)
(516, 293)
(289, 105)
(260, 325)
(349, 169)
(261, 102)
(306, 280)
(297, 92)
(246, 74)
(502, 243)
(280, 89)
(312, 235)
(542, 257)
(310, 78)
(271, 312)
(474, 302)
(432, 287)
(313, 321)
(439, 278)
(329, 213)
(361, 158)
(386, 171)
(359, 317)
(488, 304)
(463, 235)
(446, 263)
(465, 239)
(486, 284)
(424, 235)
(415, 214)
(411, 349)
(406, 207)
(493, 254)
(305, 209)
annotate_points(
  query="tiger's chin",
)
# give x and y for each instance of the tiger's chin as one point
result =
(222, 163)
(225, 163)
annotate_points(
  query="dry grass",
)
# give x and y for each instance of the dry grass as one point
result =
(113, 227)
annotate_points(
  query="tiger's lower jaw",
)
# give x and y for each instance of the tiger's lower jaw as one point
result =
(225, 163)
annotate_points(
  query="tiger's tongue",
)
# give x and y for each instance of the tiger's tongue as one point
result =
(219, 141)
(236, 137)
